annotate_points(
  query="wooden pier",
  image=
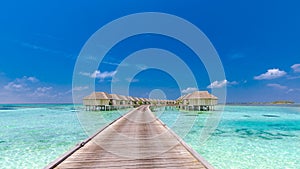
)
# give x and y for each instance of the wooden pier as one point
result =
(135, 140)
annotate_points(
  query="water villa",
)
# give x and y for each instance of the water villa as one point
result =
(98, 101)
(103, 101)
(198, 101)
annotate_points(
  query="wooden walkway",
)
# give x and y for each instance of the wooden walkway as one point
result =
(136, 140)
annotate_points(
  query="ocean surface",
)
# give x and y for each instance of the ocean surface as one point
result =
(32, 136)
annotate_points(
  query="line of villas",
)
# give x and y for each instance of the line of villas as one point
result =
(196, 101)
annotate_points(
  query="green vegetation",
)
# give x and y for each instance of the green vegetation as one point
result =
(282, 102)
(265, 103)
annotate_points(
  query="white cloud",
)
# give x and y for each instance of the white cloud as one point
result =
(277, 86)
(14, 86)
(296, 68)
(189, 90)
(42, 92)
(99, 75)
(220, 84)
(103, 75)
(20, 84)
(30, 90)
(271, 74)
(80, 88)
(283, 88)
(32, 79)
(293, 90)
(25, 79)
(43, 89)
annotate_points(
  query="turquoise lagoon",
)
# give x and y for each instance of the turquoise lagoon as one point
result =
(31, 136)
(246, 137)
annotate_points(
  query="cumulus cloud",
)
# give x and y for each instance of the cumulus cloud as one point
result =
(220, 84)
(296, 68)
(42, 91)
(25, 79)
(14, 86)
(31, 90)
(32, 79)
(189, 90)
(99, 75)
(277, 86)
(20, 84)
(103, 75)
(271, 74)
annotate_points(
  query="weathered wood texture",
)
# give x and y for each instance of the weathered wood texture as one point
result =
(137, 140)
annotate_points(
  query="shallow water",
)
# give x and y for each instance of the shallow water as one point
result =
(248, 137)
(31, 136)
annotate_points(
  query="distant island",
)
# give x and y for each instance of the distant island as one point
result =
(282, 102)
(278, 102)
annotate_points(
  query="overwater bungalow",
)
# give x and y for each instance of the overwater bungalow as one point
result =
(147, 101)
(97, 101)
(123, 101)
(141, 101)
(198, 101)
(152, 101)
(116, 101)
(170, 102)
(133, 101)
(129, 101)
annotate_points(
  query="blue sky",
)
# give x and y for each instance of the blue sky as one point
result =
(258, 44)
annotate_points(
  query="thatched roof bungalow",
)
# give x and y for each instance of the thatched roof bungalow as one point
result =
(141, 101)
(133, 101)
(198, 100)
(115, 99)
(147, 101)
(123, 100)
(97, 100)
(129, 100)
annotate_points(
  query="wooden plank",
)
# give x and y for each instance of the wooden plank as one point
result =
(136, 140)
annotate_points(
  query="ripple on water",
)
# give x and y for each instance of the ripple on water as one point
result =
(35, 135)
(270, 115)
(251, 137)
